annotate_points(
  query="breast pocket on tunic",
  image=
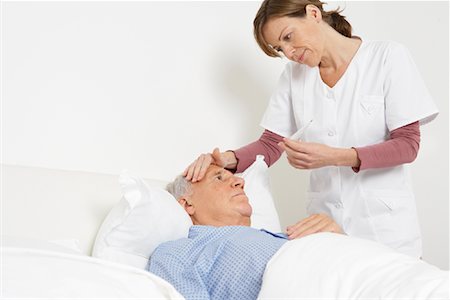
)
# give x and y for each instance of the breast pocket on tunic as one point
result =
(372, 104)
(371, 119)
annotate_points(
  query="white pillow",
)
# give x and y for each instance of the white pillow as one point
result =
(148, 216)
(145, 217)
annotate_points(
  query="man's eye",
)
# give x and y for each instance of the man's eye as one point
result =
(278, 49)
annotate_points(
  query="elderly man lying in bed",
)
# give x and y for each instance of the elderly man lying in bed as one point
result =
(224, 258)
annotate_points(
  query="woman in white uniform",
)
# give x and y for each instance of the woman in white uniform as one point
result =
(352, 109)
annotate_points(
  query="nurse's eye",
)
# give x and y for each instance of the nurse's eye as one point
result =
(287, 37)
(219, 177)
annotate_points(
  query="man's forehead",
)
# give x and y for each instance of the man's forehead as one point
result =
(211, 172)
(214, 169)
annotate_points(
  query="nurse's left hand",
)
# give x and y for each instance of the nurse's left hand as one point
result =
(303, 155)
(313, 224)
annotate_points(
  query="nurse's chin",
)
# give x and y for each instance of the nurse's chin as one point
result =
(307, 63)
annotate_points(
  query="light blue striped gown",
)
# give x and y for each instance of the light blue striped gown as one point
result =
(217, 262)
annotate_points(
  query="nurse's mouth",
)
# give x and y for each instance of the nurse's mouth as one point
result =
(301, 58)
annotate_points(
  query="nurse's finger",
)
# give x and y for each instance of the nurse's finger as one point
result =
(201, 166)
(301, 157)
(329, 225)
(202, 170)
(194, 168)
(291, 148)
(185, 172)
(295, 151)
(308, 227)
(291, 152)
(313, 228)
(189, 172)
(283, 145)
(305, 223)
(218, 157)
(292, 228)
(332, 226)
(316, 224)
(295, 145)
(299, 164)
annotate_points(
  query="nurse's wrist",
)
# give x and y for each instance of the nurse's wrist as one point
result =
(231, 160)
(347, 158)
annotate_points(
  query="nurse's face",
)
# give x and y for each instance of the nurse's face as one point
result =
(300, 39)
(218, 199)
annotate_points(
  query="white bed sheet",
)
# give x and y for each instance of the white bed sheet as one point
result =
(48, 274)
(334, 266)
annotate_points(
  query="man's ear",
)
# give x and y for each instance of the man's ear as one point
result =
(187, 205)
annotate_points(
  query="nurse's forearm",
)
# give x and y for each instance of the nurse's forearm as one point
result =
(266, 145)
(402, 147)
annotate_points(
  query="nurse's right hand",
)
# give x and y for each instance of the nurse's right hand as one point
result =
(197, 170)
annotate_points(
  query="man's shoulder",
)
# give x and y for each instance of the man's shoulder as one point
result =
(202, 235)
(198, 235)
(175, 246)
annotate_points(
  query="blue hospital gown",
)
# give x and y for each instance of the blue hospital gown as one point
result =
(217, 262)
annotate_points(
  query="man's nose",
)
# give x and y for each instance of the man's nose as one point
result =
(238, 182)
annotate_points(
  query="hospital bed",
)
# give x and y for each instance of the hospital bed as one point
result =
(71, 234)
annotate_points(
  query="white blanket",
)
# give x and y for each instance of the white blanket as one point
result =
(334, 266)
(55, 275)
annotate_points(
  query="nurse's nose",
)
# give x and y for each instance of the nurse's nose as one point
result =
(290, 52)
(238, 182)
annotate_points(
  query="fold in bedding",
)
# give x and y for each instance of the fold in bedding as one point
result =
(334, 266)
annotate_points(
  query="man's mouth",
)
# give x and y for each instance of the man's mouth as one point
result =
(239, 194)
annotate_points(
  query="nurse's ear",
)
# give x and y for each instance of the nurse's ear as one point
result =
(314, 12)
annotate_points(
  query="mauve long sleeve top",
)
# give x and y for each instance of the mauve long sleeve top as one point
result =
(401, 147)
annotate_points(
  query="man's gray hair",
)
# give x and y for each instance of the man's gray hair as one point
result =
(179, 187)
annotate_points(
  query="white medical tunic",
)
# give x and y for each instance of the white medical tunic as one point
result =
(380, 91)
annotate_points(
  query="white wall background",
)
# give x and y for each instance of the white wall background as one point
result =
(147, 86)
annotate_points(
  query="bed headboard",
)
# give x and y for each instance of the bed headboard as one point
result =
(53, 204)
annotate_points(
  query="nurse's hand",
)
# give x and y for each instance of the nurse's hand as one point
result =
(313, 224)
(303, 155)
(197, 170)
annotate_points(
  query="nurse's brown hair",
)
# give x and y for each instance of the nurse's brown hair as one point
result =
(294, 8)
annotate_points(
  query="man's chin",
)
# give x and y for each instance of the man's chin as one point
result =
(246, 210)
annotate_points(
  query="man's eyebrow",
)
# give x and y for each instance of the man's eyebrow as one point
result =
(219, 172)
